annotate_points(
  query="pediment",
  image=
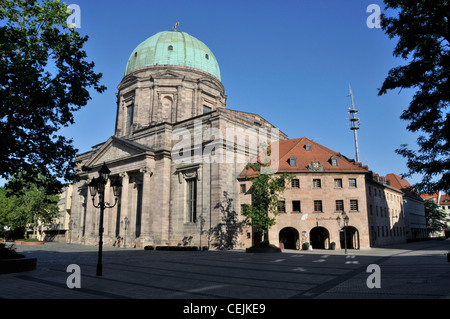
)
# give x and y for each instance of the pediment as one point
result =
(167, 74)
(209, 83)
(127, 81)
(116, 149)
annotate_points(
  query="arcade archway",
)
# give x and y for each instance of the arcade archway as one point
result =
(352, 237)
(319, 237)
(289, 236)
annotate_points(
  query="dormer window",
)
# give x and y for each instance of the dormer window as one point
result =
(334, 161)
(293, 161)
(170, 48)
(207, 56)
(308, 146)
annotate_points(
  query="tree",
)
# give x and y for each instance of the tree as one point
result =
(44, 79)
(434, 217)
(29, 208)
(266, 193)
(423, 31)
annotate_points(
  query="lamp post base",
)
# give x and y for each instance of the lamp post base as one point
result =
(99, 270)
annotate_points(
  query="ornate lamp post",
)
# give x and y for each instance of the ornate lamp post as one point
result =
(125, 223)
(346, 219)
(97, 186)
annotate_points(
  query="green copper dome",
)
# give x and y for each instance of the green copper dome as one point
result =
(173, 48)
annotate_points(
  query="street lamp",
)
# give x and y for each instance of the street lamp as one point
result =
(97, 186)
(125, 222)
(346, 219)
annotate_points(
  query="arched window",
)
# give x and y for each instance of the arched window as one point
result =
(170, 48)
(167, 103)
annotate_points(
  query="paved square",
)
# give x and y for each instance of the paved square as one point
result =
(416, 270)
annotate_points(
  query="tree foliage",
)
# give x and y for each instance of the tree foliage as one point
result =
(44, 79)
(423, 32)
(32, 206)
(266, 193)
(434, 217)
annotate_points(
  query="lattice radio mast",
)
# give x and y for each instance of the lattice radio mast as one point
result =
(354, 123)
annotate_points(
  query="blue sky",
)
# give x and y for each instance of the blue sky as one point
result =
(290, 61)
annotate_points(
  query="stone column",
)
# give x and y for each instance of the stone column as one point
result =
(151, 105)
(145, 217)
(107, 212)
(91, 217)
(155, 104)
(176, 110)
(199, 106)
(124, 203)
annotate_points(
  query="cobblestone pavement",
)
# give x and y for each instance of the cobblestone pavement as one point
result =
(408, 271)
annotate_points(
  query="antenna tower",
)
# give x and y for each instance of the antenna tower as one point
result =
(354, 123)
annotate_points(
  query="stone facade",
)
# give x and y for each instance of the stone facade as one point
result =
(386, 212)
(413, 207)
(166, 201)
(316, 197)
(325, 185)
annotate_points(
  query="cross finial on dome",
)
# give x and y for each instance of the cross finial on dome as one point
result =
(174, 28)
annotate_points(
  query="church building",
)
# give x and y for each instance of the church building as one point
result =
(173, 148)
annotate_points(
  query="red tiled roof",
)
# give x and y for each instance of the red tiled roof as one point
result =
(304, 158)
(428, 196)
(443, 198)
(397, 181)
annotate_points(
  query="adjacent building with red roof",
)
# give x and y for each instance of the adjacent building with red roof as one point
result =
(326, 187)
(413, 206)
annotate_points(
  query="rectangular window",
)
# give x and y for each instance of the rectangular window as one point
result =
(293, 161)
(337, 183)
(339, 205)
(354, 205)
(295, 183)
(352, 182)
(282, 206)
(296, 206)
(243, 188)
(318, 206)
(317, 183)
(191, 200)
(129, 122)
